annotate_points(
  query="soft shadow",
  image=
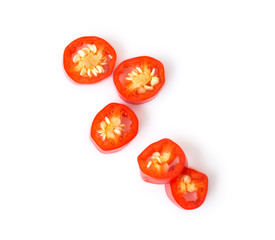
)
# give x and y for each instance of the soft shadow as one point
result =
(140, 111)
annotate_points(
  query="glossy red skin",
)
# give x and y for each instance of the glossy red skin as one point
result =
(151, 177)
(178, 199)
(132, 62)
(106, 151)
(106, 147)
(74, 46)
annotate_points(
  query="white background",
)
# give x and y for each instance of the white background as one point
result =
(217, 104)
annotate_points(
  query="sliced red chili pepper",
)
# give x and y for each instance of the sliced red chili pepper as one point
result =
(139, 79)
(161, 161)
(189, 189)
(89, 60)
(114, 127)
